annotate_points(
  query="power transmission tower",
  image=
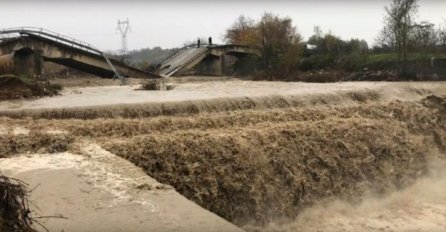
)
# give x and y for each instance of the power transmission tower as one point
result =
(317, 31)
(124, 28)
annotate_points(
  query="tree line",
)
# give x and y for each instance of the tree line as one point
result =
(285, 53)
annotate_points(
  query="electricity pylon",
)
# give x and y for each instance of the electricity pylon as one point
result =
(124, 28)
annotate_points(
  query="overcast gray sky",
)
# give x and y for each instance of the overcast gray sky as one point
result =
(171, 23)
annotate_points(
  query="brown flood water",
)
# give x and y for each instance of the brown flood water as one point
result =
(109, 95)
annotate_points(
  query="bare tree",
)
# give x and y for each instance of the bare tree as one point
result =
(441, 33)
(399, 23)
(424, 37)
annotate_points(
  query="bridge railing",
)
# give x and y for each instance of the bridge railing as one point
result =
(53, 36)
(188, 61)
(171, 57)
(74, 43)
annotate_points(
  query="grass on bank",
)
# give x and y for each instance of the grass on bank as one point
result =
(392, 57)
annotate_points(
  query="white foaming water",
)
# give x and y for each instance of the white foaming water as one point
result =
(420, 207)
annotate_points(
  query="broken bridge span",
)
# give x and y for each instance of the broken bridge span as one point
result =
(24, 51)
(205, 59)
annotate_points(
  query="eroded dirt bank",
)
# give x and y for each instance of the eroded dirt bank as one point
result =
(257, 166)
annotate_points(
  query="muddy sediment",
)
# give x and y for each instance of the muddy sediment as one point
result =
(253, 165)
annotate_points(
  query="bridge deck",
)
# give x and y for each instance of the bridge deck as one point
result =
(179, 60)
(68, 52)
(190, 56)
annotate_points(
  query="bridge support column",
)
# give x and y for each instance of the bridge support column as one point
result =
(6, 64)
(24, 62)
(221, 70)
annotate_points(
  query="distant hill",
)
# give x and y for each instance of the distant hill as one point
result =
(143, 58)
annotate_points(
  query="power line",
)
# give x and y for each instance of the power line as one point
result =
(124, 28)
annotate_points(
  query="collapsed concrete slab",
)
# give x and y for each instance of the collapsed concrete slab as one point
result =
(28, 49)
(204, 60)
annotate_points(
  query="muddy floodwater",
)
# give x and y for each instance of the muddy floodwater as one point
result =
(98, 191)
(233, 155)
(421, 207)
(109, 95)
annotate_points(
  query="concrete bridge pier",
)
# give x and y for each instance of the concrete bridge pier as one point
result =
(222, 65)
(209, 66)
(6, 64)
(23, 62)
(28, 63)
(215, 65)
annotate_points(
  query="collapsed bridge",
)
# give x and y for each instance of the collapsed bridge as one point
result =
(23, 51)
(206, 59)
